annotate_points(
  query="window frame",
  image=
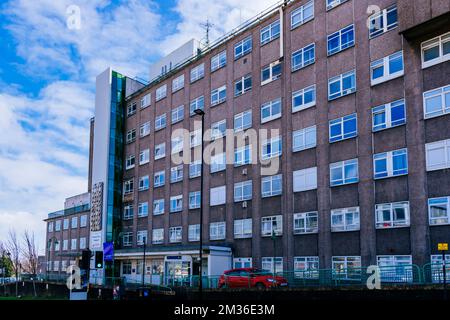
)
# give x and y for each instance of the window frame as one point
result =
(425, 45)
(243, 228)
(441, 144)
(270, 106)
(384, 18)
(218, 92)
(245, 45)
(308, 218)
(221, 62)
(387, 110)
(301, 10)
(197, 72)
(271, 192)
(389, 158)
(302, 52)
(303, 134)
(340, 78)
(391, 223)
(301, 93)
(339, 34)
(271, 29)
(438, 201)
(276, 225)
(433, 94)
(341, 122)
(385, 64)
(344, 226)
(342, 165)
(272, 77)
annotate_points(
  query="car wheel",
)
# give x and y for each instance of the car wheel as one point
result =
(260, 286)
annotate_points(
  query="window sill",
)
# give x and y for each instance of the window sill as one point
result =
(270, 119)
(386, 78)
(350, 91)
(389, 177)
(387, 128)
(342, 50)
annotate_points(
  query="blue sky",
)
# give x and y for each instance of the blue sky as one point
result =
(47, 85)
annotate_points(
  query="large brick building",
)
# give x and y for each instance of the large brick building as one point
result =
(360, 98)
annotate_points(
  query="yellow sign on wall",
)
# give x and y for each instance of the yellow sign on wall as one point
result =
(442, 246)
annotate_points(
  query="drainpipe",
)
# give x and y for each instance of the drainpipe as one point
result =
(282, 31)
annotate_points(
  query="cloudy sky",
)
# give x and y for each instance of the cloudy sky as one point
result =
(47, 85)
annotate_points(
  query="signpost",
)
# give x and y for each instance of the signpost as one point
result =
(443, 247)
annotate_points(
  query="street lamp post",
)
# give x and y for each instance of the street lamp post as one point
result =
(201, 113)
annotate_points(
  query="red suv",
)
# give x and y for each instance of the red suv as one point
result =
(250, 278)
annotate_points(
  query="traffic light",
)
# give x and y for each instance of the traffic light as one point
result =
(85, 259)
(98, 259)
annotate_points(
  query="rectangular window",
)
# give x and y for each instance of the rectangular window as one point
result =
(271, 72)
(304, 98)
(242, 48)
(159, 179)
(161, 92)
(334, 3)
(143, 209)
(436, 50)
(243, 85)
(130, 162)
(65, 245)
(144, 156)
(271, 110)
(341, 85)
(386, 69)
(195, 169)
(146, 100)
(219, 61)
(306, 267)
(390, 164)
(217, 231)
(302, 14)
(177, 144)
(383, 21)
(305, 179)
(243, 121)
(176, 174)
(178, 83)
(271, 186)
(218, 129)
(197, 103)
(178, 114)
(303, 57)
(158, 236)
(437, 274)
(50, 227)
(242, 228)
(82, 243)
(438, 155)
(304, 139)
(58, 225)
(343, 128)
(271, 148)
(218, 95)
(218, 163)
(73, 244)
(346, 219)
(194, 200)
(176, 203)
(436, 102)
(141, 237)
(242, 263)
(160, 122)
(439, 211)
(74, 223)
(128, 186)
(272, 225)
(243, 191)
(341, 40)
(392, 215)
(195, 138)
(175, 234)
(83, 221)
(306, 222)
(242, 156)
(395, 268)
(158, 207)
(131, 135)
(217, 196)
(131, 109)
(346, 267)
(144, 129)
(144, 183)
(272, 265)
(198, 72)
(160, 151)
(270, 32)
(194, 232)
(388, 115)
(344, 172)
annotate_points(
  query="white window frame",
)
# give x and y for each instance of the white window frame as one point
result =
(194, 232)
(217, 230)
(386, 109)
(130, 162)
(175, 234)
(217, 196)
(305, 179)
(143, 209)
(438, 41)
(144, 129)
(243, 156)
(161, 92)
(83, 221)
(267, 263)
(341, 123)
(270, 105)
(144, 156)
(272, 32)
(272, 225)
(197, 103)
(128, 186)
(270, 180)
(218, 163)
(243, 228)
(341, 47)
(178, 83)
(158, 236)
(219, 61)
(310, 222)
(131, 109)
(240, 187)
(439, 220)
(160, 151)
(195, 200)
(437, 145)
(197, 72)
(344, 225)
(216, 95)
(301, 12)
(301, 135)
(242, 44)
(195, 138)
(437, 93)
(389, 158)
(176, 174)
(241, 118)
(131, 136)
(176, 144)
(306, 267)
(274, 152)
(272, 76)
(340, 79)
(218, 129)
(146, 100)
(177, 114)
(178, 201)
(301, 93)
(243, 81)
(347, 272)
(158, 207)
(392, 222)
(160, 122)
(382, 16)
(242, 263)
(198, 171)
(342, 165)
(334, 3)
(385, 63)
(157, 182)
(140, 236)
(301, 52)
(142, 183)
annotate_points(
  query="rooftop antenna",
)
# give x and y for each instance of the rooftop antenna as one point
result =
(207, 27)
